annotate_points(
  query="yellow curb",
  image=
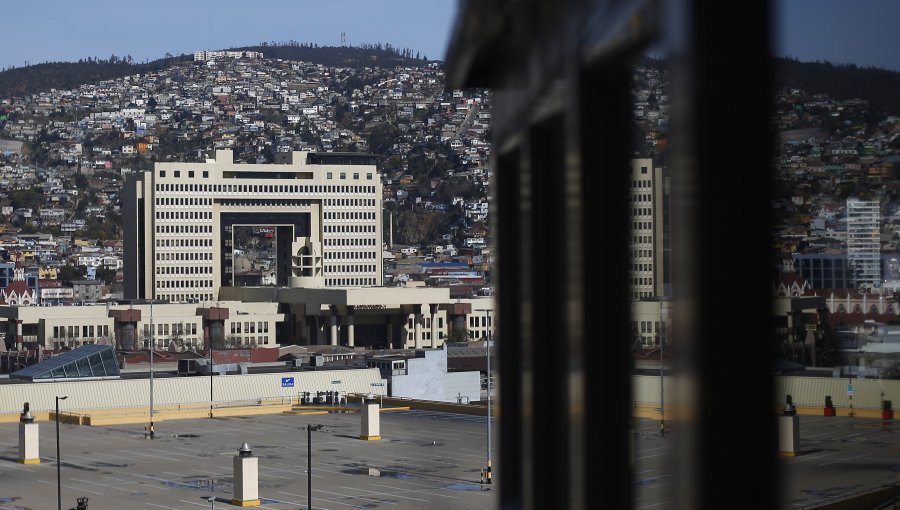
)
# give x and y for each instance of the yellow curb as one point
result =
(370, 438)
(29, 461)
(249, 502)
(788, 454)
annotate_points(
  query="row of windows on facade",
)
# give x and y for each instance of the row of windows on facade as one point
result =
(183, 201)
(641, 253)
(642, 267)
(410, 323)
(180, 298)
(643, 225)
(642, 281)
(102, 330)
(889, 309)
(647, 327)
(184, 229)
(192, 242)
(343, 282)
(350, 269)
(349, 229)
(183, 215)
(642, 211)
(183, 284)
(640, 184)
(485, 321)
(350, 242)
(249, 327)
(160, 270)
(352, 215)
(184, 256)
(178, 328)
(642, 239)
(639, 295)
(350, 255)
(349, 202)
(641, 197)
(260, 188)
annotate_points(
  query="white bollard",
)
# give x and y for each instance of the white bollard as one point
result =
(29, 440)
(789, 435)
(246, 478)
(371, 429)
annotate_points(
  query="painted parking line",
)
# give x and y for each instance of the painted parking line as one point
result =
(843, 460)
(73, 487)
(351, 496)
(142, 485)
(385, 494)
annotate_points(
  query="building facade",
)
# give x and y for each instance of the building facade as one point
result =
(649, 220)
(325, 210)
(864, 241)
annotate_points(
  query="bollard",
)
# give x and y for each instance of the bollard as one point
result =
(29, 438)
(788, 435)
(246, 478)
(887, 412)
(829, 406)
(789, 409)
(371, 428)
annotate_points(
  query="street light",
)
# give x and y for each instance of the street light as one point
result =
(662, 343)
(309, 429)
(486, 474)
(212, 501)
(58, 473)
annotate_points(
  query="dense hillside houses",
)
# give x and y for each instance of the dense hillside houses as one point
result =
(64, 153)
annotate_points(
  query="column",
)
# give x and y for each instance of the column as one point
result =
(417, 335)
(350, 332)
(434, 330)
(20, 343)
(390, 333)
(334, 330)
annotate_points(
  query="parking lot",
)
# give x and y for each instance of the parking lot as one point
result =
(425, 460)
(839, 456)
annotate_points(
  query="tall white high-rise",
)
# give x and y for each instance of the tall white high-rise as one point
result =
(649, 230)
(864, 241)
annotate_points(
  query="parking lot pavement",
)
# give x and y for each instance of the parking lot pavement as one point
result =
(425, 460)
(838, 457)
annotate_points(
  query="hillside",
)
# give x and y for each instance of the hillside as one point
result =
(845, 81)
(19, 81)
(70, 75)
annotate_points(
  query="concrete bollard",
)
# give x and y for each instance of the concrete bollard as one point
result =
(371, 428)
(246, 478)
(29, 440)
(789, 435)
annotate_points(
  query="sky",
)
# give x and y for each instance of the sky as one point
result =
(66, 30)
(862, 32)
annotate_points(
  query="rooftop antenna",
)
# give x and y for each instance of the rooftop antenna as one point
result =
(343, 38)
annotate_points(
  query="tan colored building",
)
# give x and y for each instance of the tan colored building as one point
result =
(649, 211)
(179, 223)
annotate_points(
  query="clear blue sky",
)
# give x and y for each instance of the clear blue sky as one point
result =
(863, 32)
(66, 30)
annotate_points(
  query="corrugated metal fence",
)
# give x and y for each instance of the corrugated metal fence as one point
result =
(85, 395)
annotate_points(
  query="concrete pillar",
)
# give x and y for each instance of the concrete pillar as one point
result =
(788, 435)
(390, 333)
(371, 426)
(20, 342)
(434, 330)
(334, 330)
(417, 334)
(246, 478)
(29, 440)
(351, 341)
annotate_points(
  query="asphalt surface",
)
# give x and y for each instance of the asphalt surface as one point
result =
(425, 460)
(838, 457)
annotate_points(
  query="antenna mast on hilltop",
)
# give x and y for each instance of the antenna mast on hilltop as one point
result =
(343, 38)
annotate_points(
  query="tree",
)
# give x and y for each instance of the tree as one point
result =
(68, 273)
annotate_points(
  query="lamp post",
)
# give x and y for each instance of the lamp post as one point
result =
(151, 361)
(309, 429)
(486, 474)
(662, 343)
(58, 472)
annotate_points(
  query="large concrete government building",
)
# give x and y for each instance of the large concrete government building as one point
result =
(179, 222)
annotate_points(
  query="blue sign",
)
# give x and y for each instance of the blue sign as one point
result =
(287, 382)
